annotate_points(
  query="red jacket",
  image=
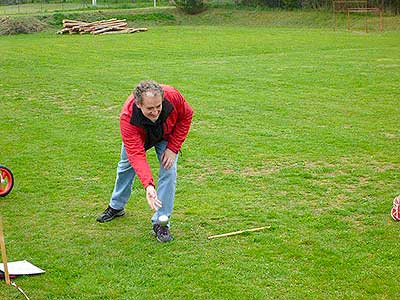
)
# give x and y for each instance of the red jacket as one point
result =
(175, 129)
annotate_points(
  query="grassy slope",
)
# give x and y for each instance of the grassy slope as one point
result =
(221, 16)
(293, 128)
(250, 17)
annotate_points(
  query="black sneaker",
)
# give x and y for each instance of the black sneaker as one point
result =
(109, 214)
(162, 233)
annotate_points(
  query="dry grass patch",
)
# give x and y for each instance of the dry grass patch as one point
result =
(10, 26)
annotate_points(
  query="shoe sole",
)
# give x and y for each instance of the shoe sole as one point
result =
(164, 241)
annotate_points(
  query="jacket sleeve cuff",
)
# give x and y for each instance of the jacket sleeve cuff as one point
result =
(148, 184)
(173, 149)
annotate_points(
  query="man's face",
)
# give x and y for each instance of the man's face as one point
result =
(151, 106)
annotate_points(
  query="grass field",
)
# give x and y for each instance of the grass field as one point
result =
(295, 129)
(34, 8)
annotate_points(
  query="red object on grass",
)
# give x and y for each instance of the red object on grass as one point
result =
(396, 209)
(6, 181)
(2, 275)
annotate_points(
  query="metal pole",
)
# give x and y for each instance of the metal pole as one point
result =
(335, 21)
(334, 14)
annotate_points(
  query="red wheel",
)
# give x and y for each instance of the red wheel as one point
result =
(396, 213)
(6, 181)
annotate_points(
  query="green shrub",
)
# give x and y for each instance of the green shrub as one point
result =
(291, 4)
(10, 26)
(191, 7)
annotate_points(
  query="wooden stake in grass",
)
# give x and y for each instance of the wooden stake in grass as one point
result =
(4, 258)
(3, 254)
(237, 232)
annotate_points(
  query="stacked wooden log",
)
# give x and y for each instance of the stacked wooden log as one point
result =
(98, 27)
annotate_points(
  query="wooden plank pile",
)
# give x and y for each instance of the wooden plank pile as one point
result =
(98, 27)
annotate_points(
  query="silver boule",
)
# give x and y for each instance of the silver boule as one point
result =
(163, 220)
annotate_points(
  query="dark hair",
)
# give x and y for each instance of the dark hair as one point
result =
(147, 88)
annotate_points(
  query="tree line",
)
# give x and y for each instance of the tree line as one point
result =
(392, 6)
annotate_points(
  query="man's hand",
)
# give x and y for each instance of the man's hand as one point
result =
(168, 159)
(152, 199)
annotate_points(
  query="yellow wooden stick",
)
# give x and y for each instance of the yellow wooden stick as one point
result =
(237, 232)
(3, 253)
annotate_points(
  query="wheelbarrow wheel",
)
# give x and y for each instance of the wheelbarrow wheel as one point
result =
(6, 181)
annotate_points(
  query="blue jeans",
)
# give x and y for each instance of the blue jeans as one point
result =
(126, 176)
